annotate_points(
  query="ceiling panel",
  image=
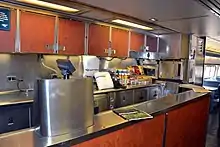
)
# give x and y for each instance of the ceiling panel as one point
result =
(187, 16)
(203, 26)
(145, 9)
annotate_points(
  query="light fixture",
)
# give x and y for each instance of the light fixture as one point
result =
(153, 19)
(131, 24)
(49, 5)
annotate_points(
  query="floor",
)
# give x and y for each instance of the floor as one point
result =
(211, 140)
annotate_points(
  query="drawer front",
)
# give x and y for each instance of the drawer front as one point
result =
(154, 93)
(100, 103)
(124, 98)
(14, 118)
(140, 95)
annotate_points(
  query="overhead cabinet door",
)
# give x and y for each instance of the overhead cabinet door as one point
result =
(98, 40)
(37, 33)
(71, 37)
(7, 37)
(137, 41)
(120, 42)
(152, 43)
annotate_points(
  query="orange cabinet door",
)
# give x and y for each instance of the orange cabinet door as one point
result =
(7, 38)
(186, 126)
(120, 42)
(37, 33)
(98, 40)
(148, 133)
(71, 37)
(152, 43)
(137, 41)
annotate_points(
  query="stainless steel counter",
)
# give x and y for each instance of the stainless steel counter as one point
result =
(104, 123)
(31, 138)
(15, 97)
(121, 89)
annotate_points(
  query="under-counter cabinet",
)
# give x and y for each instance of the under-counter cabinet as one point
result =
(186, 126)
(15, 117)
(136, 41)
(147, 133)
(98, 40)
(7, 38)
(36, 32)
(119, 39)
(71, 37)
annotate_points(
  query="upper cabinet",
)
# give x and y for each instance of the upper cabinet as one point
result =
(120, 42)
(98, 43)
(37, 33)
(152, 43)
(7, 38)
(137, 41)
(71, 38)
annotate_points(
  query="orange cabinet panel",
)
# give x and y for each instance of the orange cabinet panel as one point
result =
(148, 133)
(98, 40)
(7, 38)
(137, 41)
(71, 37)
(37, 31)
(186, 126)
(120, 42)
(152, 43)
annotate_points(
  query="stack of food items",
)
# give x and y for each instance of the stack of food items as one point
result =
(133, 75)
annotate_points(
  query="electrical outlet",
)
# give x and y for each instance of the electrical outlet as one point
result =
(11, 78)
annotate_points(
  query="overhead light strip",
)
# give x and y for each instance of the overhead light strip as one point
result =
(49, 5)
(131, 24)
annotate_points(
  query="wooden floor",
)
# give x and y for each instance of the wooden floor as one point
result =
(212, 140)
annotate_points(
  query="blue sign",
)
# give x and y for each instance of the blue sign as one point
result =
(5, 19)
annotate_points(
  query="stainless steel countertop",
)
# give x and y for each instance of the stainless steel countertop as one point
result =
(31, 138)
(167, 103)
(15, 97)
(121, 89)
(103, 122)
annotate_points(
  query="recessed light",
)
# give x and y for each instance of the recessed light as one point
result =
(49, 5)
(153, 19)
(131, 24)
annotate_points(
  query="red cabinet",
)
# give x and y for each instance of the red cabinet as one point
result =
(7, 38)
(71, 37)
(186, 126)
(98, 40)
(152, 43)
(120, 42)
(148, 133)
(37, 33)
(137, 41)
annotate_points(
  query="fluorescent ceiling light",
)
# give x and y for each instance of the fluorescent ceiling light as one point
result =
(131, 24)
(49, 5)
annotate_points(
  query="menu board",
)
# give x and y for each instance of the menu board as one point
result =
(5, 19)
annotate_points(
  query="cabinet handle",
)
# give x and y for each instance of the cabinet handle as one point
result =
(49, 47)
(106, 51)
(61, 47)
(114, 52)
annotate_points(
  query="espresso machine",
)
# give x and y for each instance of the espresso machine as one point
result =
(64, 105)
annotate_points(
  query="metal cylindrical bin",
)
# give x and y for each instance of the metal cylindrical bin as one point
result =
(64, 105)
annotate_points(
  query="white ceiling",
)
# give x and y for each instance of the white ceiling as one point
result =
(186, 16)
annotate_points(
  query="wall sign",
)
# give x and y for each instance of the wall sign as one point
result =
(5, 19)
